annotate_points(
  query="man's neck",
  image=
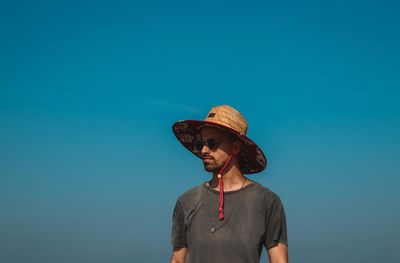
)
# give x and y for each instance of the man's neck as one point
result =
(233, 179)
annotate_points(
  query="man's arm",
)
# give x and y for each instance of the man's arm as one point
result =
(179, 255)
(278, 254)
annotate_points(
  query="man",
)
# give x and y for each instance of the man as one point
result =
(230, 218)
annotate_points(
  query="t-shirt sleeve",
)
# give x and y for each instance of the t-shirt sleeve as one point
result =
(275, 225)
(179, 237)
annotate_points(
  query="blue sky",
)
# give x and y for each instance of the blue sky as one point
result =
(89, 167)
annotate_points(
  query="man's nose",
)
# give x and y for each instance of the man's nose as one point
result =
(205, 149)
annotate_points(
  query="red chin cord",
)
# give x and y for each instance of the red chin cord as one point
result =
(221, 198)
(221, 189)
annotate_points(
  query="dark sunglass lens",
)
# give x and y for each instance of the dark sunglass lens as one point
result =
(199, 145)
(211, 143)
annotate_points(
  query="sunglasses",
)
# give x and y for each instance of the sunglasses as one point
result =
(210, 143)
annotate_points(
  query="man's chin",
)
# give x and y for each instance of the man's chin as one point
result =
(210, 168)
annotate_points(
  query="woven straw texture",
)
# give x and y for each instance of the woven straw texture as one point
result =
(227, 116)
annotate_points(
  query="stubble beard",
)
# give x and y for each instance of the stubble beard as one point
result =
(211, 167)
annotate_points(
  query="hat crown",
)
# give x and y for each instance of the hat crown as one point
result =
(229, 117)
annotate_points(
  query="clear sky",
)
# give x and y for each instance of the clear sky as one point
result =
(89, 167)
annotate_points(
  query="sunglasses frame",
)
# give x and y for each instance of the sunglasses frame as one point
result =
(206, 142)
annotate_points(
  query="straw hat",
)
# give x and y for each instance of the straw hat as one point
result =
(251, 158)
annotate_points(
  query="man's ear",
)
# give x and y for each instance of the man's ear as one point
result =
(237, 147)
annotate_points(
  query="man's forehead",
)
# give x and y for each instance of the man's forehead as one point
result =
(207, 131)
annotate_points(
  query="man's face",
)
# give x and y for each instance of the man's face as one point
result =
(214, 159)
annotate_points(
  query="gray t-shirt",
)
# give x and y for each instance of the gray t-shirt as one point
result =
(254, 217)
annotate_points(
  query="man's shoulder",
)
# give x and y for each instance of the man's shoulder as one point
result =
(190, 194)
(267, 193)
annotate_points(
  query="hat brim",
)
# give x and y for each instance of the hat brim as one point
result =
(251, 158)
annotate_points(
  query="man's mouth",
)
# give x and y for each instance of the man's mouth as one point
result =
(207, 159)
